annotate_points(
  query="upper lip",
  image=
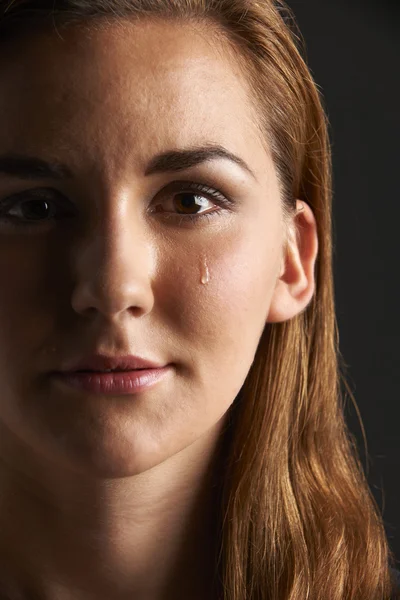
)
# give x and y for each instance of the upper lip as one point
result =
(101, 362)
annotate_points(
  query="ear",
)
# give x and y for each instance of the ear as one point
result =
(295, 285)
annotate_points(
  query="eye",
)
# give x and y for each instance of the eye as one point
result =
(183, 197)
(35, 207)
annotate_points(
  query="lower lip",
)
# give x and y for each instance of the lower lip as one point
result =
(120, 383)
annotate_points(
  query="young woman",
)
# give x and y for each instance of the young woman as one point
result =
(171, 419)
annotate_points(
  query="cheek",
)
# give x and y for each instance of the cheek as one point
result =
(222, 320)
(23, 296)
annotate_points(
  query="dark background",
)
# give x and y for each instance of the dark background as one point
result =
(353, 50)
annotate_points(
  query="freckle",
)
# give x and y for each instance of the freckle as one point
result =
(205, 273)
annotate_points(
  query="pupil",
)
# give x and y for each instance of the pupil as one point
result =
(187, 201)
(35, 207)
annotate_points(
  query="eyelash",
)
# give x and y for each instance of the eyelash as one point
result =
(212, 194)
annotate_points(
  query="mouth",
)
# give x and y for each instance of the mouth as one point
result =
(108, 370)
(113, 381)
(99, 363)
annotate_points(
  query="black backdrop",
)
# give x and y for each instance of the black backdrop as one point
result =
(353, 49)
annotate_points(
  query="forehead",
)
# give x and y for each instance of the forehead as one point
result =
(137, 87)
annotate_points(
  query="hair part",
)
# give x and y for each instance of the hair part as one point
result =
(297, 520)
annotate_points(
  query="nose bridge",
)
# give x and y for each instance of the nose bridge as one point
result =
(117, 242)
(114, 258)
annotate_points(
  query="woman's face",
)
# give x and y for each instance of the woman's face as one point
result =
(116, 267)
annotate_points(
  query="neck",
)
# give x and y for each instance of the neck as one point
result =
(149, 536)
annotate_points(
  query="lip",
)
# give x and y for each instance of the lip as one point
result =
(116, 383)
(102, 362)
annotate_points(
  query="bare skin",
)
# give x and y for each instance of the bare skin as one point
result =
(112, 497)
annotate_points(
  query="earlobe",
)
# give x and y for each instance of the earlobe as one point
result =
(295, 285)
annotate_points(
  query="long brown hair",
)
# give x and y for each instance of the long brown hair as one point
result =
(297, 520)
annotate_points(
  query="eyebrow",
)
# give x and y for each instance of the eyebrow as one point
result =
(32, 168)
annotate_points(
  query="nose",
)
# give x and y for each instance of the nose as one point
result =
(115, 262)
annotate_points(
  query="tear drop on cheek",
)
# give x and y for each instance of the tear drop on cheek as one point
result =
(205, 273)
